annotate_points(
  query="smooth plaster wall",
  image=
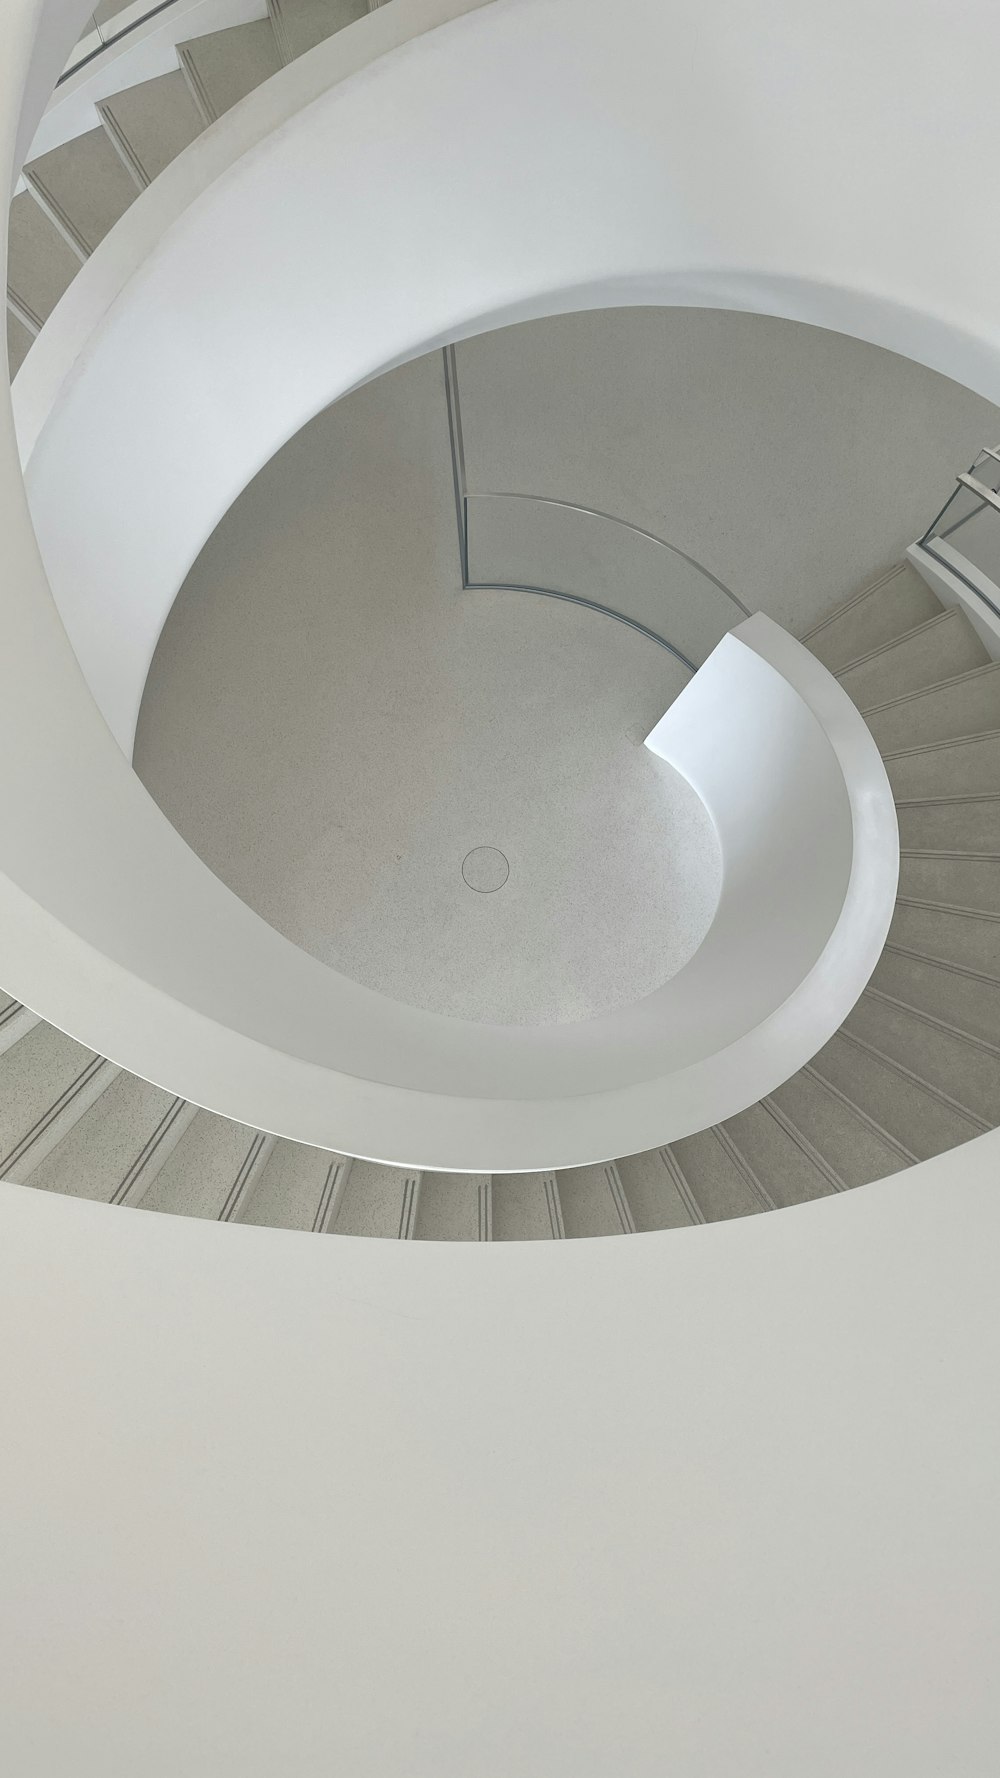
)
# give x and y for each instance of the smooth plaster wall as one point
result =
(719, 1502)
(793, 462)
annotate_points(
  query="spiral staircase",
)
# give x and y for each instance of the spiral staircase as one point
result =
(597, 1344)
(913, 1070)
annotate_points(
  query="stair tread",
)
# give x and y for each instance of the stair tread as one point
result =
(951, 881)
(373, 1200)
(967, 826)
(199, 1174)
(890, 606)
(950, 937)
(587, 1201)
(651, 1192)
(901, 1106)
(449, 1206)
(19, 342)
(93, 1158)
(86, 183)
(967, 1075)
(959, 707)
(227, 65)
(939, 649)
(717, 1184)
(857, 1152)
(520, 1209)
(156, 120)
(40, 264)
(783, 1166)
(302, 24)
(34, 1073)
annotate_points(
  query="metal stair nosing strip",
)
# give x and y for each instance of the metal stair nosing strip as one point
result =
(909, 1159)
(74, 1093)
(971, 1117)
(681, 1186)
(858, 598)
(408, 1207)
(332, 1196)
(731, 1148)
(251, 1167)
(976, 975)
(623, 1208)
(154, 1152)
(929, 1018)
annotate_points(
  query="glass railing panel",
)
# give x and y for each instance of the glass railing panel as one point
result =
(965, 536)
(548, 546)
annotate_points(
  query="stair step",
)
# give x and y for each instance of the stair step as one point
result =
(651, 1192)
(15, 1022)
(888, 608)
(378, 1200)
(778, 1157)
(902, 1107)
(296, 1188)
(222, 67)
(717, 1184)
(856, 1152)
(40, 264)
(969, 824)
(19, 343)
(36, 1074)
(969, 1076)
(953, 937)
(526, 1207)
(593, 1202)
(939, 649)
(951, 880)
(97, 1154)
(968, 705)
(300, 24)
(967, 1002)
(85, 187)
(966, 767)
(152, 123)
(199, 1175)
(449, 1207)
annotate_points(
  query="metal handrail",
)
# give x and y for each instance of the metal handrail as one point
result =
(463, 497)
(939, 531)
(116, 37)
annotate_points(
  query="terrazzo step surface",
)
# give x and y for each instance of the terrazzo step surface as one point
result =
(969, 824)
(956, 707)
(152, 123)
(938, 649)
(85, 187)
(959, 938)
(222, 67)
(299, 25)
(894, 604)
(40, 264)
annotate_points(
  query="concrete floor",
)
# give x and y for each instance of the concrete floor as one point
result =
(335, 726)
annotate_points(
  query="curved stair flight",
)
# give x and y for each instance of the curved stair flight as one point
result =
(914, 1070)
(75, 193)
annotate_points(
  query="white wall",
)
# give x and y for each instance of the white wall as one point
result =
(720, 1502)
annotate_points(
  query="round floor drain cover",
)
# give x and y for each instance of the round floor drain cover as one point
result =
(485, 869)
